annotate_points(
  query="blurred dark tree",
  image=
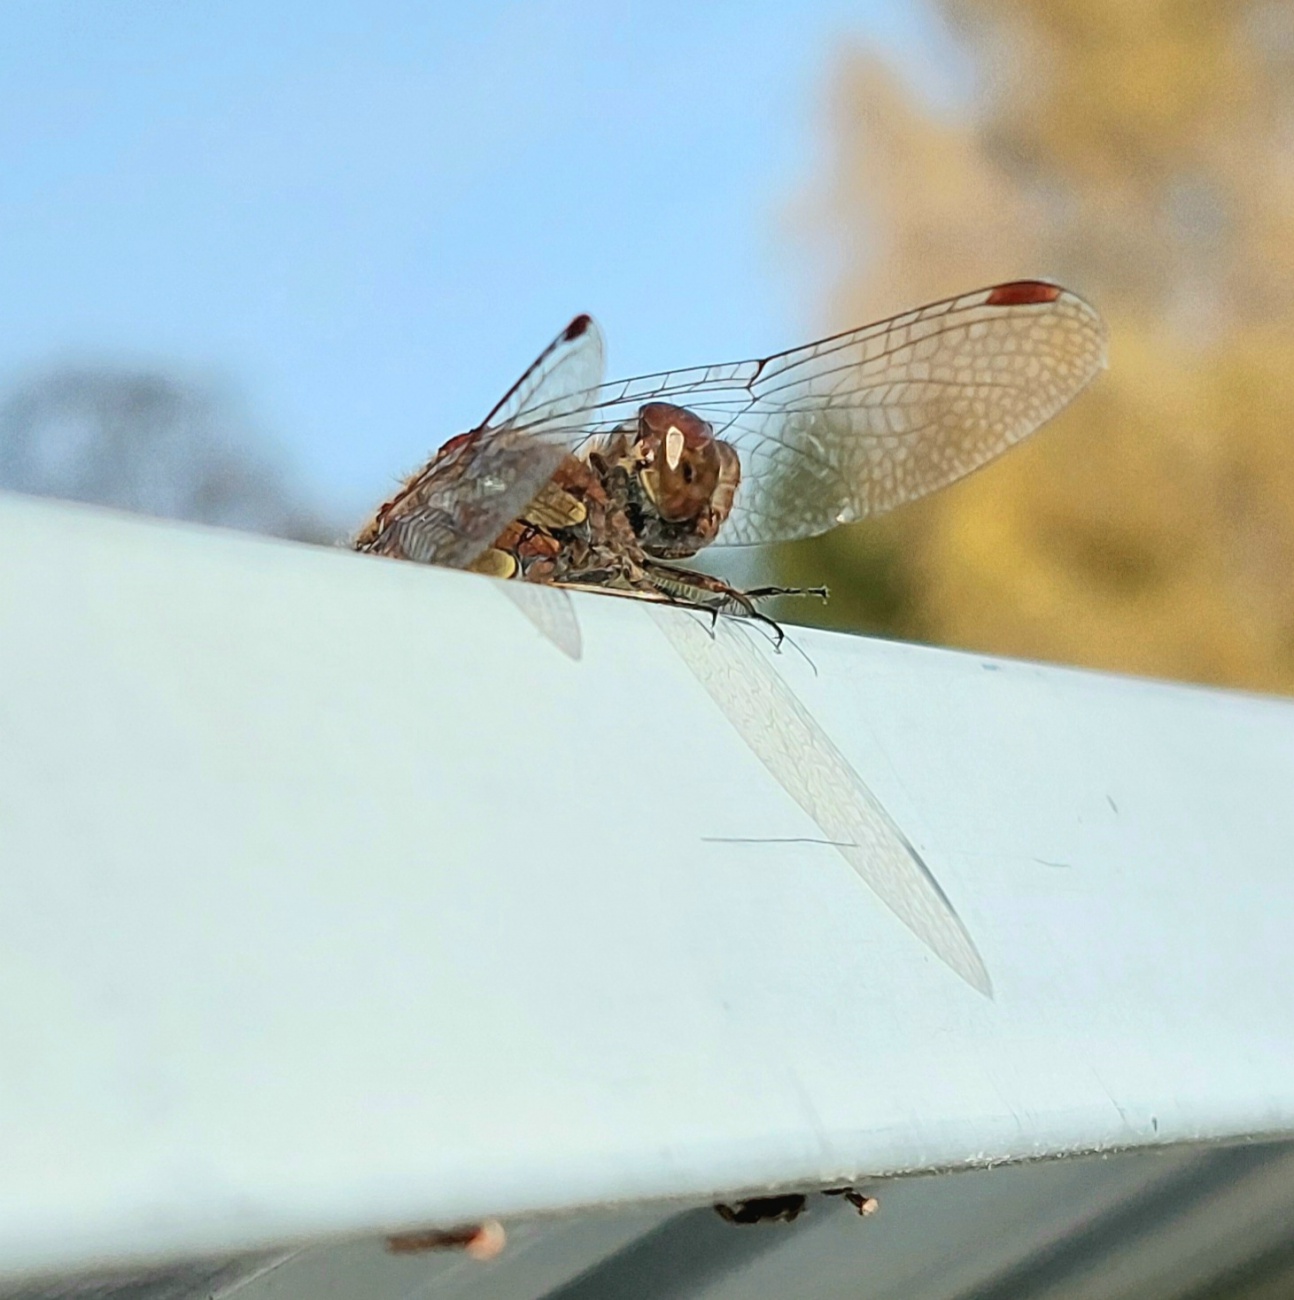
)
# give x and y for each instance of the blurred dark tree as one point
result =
(145, 441)
(1142, 154)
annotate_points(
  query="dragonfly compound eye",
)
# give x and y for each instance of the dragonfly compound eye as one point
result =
(689, 473)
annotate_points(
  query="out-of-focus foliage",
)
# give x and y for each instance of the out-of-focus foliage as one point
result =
(144, 441)
(1142, 154)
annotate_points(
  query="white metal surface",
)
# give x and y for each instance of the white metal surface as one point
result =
(336, 899)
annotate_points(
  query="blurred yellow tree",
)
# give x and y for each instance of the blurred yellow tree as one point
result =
(1141, 152)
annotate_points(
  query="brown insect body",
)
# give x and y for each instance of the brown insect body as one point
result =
(609, 517)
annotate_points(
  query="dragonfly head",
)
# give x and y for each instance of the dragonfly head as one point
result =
(689, 478)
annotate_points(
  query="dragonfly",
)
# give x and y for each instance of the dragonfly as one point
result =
(580, 484)
(573, 483)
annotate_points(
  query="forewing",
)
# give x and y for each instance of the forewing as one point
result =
(453, 509)
(560, 385)
(861, 422)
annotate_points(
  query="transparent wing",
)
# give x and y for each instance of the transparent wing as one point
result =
(452, 510)
(476, 484)
(550, 611)
(801, 757)
(560, 383)
(863, 421)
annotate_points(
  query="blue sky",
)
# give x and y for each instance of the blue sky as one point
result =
(366, 217)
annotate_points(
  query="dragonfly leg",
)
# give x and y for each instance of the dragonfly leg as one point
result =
(767, 593)
(701, 591)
